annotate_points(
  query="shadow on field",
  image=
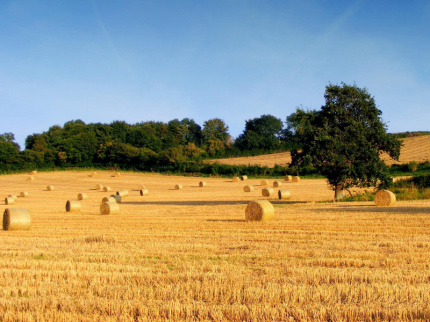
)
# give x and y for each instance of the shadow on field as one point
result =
(371, 208)
(226, 220)
(209, 202)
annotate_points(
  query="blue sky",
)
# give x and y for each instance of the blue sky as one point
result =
(138, 60)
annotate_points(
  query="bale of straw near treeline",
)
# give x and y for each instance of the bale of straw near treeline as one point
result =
(109, 208)
(178, 187)
(82, 196)
(235, 179)
(264, 182)
(385, 198)
(202, 184)
(16, 219)
(248, 188)
(267, 192)
(144, 192)
(73, 205)
(260, 210)
(284, 194)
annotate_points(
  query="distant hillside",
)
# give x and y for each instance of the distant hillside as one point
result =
(416, 148)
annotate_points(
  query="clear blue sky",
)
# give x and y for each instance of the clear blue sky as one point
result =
(138, 60)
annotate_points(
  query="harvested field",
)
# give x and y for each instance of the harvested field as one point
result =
(414, 149)
(190, 255)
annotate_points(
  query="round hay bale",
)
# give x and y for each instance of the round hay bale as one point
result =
(295, 179)
(284, 194)
(117, 198)
(178, 187)
(385, 198)
(82, 196)
(277, 184)
(23, 194)
(16, 219)
(243, 178)
(108, 199)
(109, 208)
(73, 205)
(144, 192)
(288, 178)
(13, 196)
(50, 188)
(93, 174)
(107, 188)
(267, 192)
(260, 210)
(122, 193)
(30, 178)
(264, 182)
(202, 184)
(235, 179)
(248, 188)
(9, 200)
(117, 174)
(33, 173)
(99, 186)
(141, 187)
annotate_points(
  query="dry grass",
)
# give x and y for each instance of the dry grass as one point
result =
(190, 254)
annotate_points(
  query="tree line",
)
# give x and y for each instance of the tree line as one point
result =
(140, 146)
(342, 141)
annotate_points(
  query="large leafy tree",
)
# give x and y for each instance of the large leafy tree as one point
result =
(260, 133)
(343, 140)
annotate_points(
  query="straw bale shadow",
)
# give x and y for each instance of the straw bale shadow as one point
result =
(372, 208)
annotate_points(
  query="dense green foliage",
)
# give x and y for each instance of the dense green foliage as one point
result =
(344, 139)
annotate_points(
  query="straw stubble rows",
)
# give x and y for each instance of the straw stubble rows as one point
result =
(189, 254)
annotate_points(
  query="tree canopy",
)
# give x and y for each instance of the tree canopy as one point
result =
(343, 140)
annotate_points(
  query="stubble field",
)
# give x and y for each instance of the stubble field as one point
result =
(190, 255)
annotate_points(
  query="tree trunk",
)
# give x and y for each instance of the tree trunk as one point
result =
(339, 193)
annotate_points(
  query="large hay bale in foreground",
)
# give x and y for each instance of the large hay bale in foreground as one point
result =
(267, 192)
(248, 188)
(284, 194)
(260, 210)
(107, 188)
(108, 199)
(50, 188)
(73, 205)
(117, 198)
(16, 219)
(82, 196)
(109, 208)
(122, 193)
(235, 179)
(295, 179)
(385, 198)
(264, 182)
(243, 178)
(144, 192)
(202, 184)
(277, 184)
(9, 200)
(178, 187)
(288, 178)
(23, 194)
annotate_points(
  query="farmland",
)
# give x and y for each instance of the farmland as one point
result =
(190, 255)
(414, 149)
